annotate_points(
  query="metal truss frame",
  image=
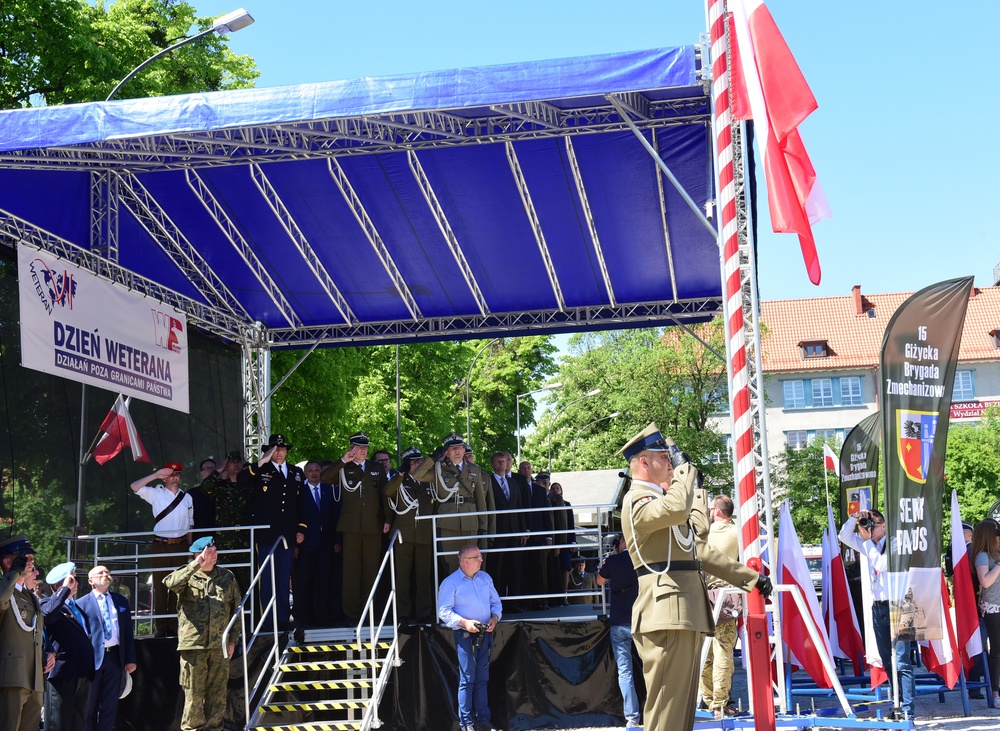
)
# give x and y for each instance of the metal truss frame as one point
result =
(287, 221)
(645, 314)
(588, 214)
(408, 132)
(256, 364)
(14, 230)
(104, 202)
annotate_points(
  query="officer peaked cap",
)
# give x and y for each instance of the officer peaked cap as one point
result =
(277, 440)
(454, 440)
(17, 545)
(411, 454)
(648, 439)
(359, 440)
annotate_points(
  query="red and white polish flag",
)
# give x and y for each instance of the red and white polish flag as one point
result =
(831, 459)
(942, 656)
(793, 569)
(769, 88)
(838, 607)
(118, 431)
(969, 640)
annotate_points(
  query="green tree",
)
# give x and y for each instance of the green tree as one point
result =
(65, 51)
(798, 475)
(972, 467)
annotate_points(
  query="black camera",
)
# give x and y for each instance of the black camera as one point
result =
(866, 522)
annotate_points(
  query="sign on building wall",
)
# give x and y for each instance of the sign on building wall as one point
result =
(80, 327)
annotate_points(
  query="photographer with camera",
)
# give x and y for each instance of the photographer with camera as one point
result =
(870, 541)
(672, 614)
(469, 604)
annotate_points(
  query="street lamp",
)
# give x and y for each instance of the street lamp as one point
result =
(560, 413)
(550, 387)
(468, 387)
(228, 23)
(580, 431)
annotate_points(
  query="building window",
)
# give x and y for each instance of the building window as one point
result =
(822, 392)
(813, 349)
(796, 439)
(964, 387)
(795, 394)
(850, 391)
(995, 335)
(827, 435)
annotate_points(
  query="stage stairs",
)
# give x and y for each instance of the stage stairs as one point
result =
(326, 682)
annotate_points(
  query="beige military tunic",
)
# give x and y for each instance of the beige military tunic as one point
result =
(672, 613)
(21, 661)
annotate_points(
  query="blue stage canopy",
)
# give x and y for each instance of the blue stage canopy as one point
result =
(507, 199)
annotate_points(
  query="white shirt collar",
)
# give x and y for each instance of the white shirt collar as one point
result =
(652, 485)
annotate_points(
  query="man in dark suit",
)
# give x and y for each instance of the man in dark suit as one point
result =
(505, 566)
(67, 693)
(317, 603)
(540, 524)
(21, 623)
(109, 622)
(275, 486)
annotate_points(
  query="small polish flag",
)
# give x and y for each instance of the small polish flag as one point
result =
(831, 459)
(118, 431)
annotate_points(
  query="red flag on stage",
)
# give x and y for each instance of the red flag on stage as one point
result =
(838, 608)
(768, 87)
(831, 460)
(941, 656)
(793, 569)
(969, 640)
(118, 431)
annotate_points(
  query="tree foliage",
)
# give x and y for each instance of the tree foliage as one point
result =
(800, 476)
(65, 51)
(972, 467)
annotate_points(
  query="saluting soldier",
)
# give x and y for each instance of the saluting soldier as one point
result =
(208, 598)
(409, 498)
(362, 520)
(672, 613)
(459, 488)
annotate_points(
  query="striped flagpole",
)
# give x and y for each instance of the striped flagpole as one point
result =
(739, 390)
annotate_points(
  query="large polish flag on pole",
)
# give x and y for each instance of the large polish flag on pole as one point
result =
(970, 642)
(769, 88)
(838, 608)
(118, 431)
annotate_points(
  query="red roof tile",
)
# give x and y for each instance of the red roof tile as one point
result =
(854, 340)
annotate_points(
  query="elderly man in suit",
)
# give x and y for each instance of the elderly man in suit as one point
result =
(362, 523)
(459, 489)
(21, 623)
(109, 622)
(672, 614)
(67, 693)
(317, 603)
(275, 485)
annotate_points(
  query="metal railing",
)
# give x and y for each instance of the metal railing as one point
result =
(264, 573)
(106, 549)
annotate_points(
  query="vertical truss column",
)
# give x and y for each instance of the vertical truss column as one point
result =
(256, 380)
(104, 214)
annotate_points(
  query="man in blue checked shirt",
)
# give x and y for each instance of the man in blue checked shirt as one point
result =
(470, 605)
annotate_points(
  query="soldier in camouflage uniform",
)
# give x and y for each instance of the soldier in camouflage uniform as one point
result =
(208, 598)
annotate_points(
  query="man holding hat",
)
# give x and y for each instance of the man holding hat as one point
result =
(360, 482)
(208, 599)
(459, 488)
(21, 622)
(274, 485)
(173, 519)
(672, 614)
(67, 692)
(109, 623)
(409, 498)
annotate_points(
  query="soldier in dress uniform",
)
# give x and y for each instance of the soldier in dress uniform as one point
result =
(408, 499)
(208, 597)
(459, 488)
(362, 520)
(21, 665)
(672, 614)
(275, 486)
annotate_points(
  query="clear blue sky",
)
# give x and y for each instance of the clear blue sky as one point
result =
(906, 94)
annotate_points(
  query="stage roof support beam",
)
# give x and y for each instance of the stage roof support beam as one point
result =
(662, 195)
(588, 214)
(104, 201)
(298, 238)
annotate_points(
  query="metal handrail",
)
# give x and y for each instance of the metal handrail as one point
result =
(267, 563)
(381, 677)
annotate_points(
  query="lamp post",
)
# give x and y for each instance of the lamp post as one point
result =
(228, 23)
(468, 389)
(560, 413)
(580, 431)
(550, 387)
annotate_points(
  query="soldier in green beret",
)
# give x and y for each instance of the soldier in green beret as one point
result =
(208, 597)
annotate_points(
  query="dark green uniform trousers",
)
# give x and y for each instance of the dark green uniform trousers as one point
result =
(204, 677)
(362, 555)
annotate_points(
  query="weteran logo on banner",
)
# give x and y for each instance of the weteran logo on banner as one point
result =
(80, 327)
(859, 467)
(919, 357)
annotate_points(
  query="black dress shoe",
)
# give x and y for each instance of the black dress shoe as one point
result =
(976, 694)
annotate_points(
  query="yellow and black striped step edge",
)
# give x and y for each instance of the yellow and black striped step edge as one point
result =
(320, 685)
(315, 726)
(300, 667)
(326, 706)
(338, 648)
